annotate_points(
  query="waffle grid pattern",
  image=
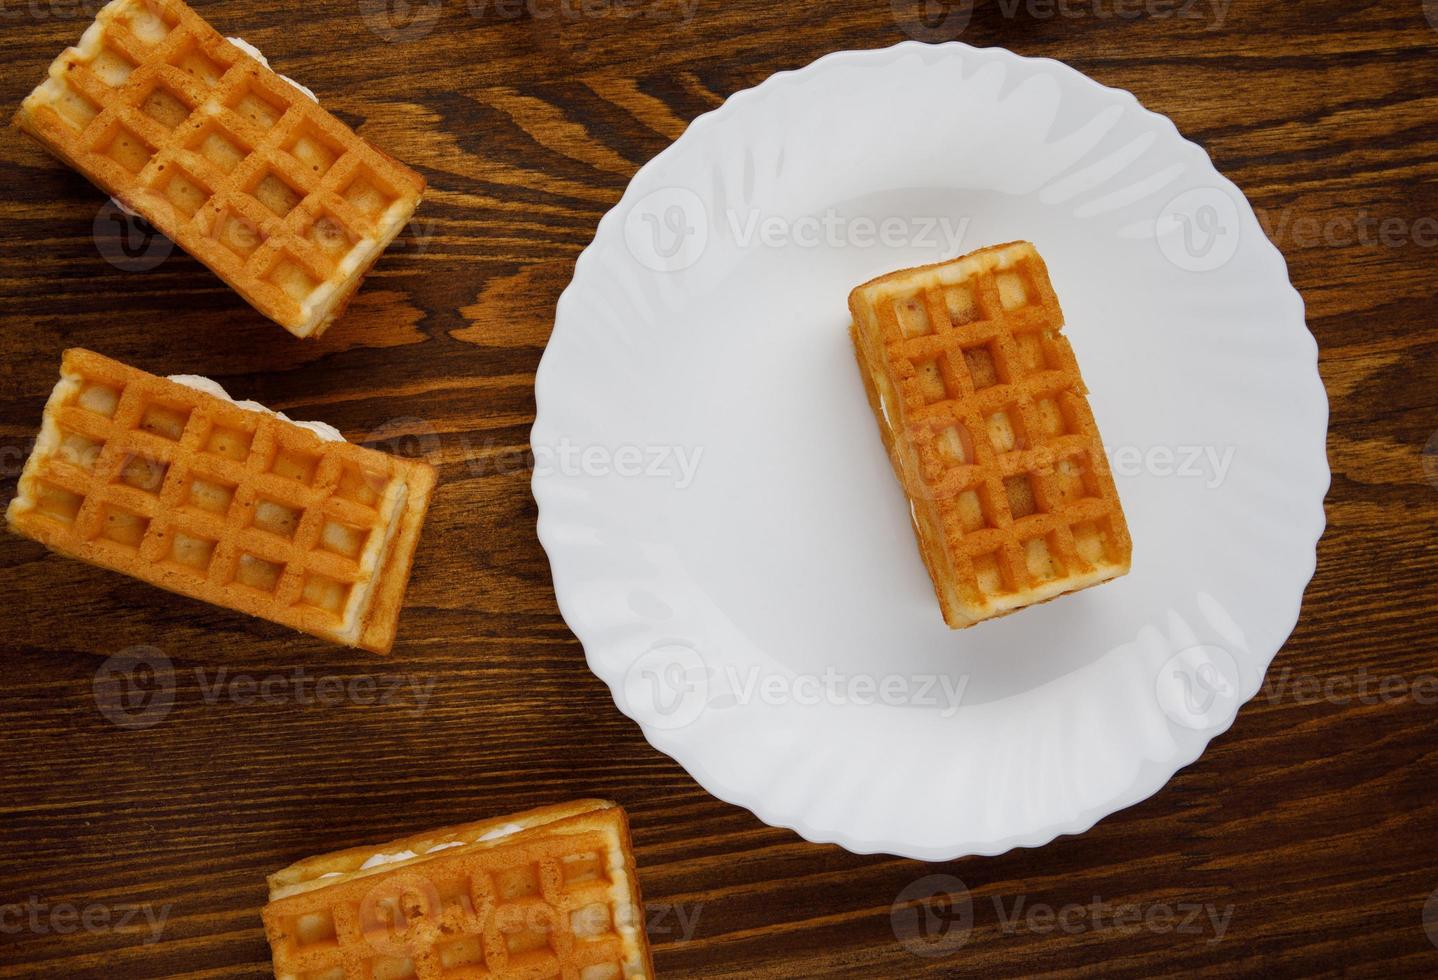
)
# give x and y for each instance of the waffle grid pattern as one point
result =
(238, 508)
(278, 197)
(540, 909)
(1000, 442)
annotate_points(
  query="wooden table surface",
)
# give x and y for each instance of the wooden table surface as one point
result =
(1302, 841)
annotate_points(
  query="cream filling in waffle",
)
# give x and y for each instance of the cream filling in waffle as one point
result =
(380, 860)
(309, 899)
(198, 382)
(255, 53)
(182, 487)
(361, 862)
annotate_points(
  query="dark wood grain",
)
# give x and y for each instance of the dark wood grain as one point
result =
(1312, 821)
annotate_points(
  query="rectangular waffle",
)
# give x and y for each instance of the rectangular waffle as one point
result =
(232, 162)
(548, 893)
(988, 426)
(238, 508)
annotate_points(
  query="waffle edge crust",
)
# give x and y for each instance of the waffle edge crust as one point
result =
(230, 161)
(986, 420)
(238, 508)
(550, 892)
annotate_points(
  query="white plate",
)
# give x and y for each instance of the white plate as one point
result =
(766, 617)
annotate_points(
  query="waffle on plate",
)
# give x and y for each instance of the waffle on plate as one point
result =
(987, 422)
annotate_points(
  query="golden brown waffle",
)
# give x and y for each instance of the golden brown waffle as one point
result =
(239, 167)
(550, 893)
(988, 426)
(239, 508)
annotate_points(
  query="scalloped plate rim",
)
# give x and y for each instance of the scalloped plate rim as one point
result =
(1153, 775)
